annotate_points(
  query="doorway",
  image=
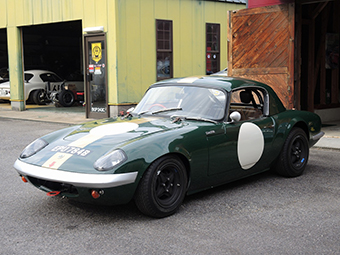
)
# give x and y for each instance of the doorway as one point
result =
(96, 77)
(53, 52)
(319, 53)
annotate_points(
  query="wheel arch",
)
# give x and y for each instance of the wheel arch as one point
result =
(298, 123)
(301, 124)
(181, 157)
(30, 87)
(30, 92)
(186, 163)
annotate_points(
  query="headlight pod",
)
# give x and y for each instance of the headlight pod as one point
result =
(110, 160)
(33, 148)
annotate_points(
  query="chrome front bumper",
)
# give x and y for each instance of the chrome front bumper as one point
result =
(76, 179)
(318, 136)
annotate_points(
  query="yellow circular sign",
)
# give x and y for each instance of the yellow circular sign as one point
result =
(96, 51)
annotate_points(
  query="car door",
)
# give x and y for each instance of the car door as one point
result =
(222, 149)
(244, 145)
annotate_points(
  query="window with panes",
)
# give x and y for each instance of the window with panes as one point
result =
(212, 48)
(164, 49)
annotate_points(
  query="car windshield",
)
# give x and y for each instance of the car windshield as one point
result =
(186, 101)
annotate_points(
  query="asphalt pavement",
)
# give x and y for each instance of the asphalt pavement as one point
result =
(262, 214)
(76, 115)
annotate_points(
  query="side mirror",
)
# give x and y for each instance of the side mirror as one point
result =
(235, 116)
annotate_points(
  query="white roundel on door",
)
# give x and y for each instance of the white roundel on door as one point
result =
(250, 145)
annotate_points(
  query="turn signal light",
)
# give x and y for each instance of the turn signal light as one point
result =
(95, 194)
(23, 179)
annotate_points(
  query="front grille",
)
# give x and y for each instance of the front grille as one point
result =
(53, 186)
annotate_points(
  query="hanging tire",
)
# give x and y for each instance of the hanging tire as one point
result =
(66, 98)
(38, 96)
(162, 189)
(294, 155)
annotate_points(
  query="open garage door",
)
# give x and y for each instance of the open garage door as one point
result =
(56, 48)
(4, 74)
(3, 56)
(261, 47)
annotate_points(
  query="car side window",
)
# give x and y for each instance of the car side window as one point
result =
(28, 76)
(248, 102)
(50, 77)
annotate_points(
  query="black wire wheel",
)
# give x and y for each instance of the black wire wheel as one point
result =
(294, 155)
(162, 189)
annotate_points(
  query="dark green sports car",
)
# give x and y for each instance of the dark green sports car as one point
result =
(186, 135)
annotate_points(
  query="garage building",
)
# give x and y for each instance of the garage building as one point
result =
(117, 47)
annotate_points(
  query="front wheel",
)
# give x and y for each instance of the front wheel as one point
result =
(294, 155)
(162, 189)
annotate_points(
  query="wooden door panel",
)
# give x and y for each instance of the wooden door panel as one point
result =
(261, 47)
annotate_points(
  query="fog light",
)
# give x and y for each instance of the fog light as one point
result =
(23, 179)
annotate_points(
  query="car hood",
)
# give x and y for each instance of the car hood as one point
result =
(4, 85)
(84, 144)
(118, 131)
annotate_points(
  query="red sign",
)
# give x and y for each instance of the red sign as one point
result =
(91, 68)
(261, 3)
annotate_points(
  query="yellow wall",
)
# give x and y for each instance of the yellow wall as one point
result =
(136, 40)
(130, 33)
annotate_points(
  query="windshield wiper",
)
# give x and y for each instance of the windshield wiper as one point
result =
(167, 110)
(200, 119)
(141, 113)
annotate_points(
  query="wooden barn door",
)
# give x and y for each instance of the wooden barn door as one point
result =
(261, 47)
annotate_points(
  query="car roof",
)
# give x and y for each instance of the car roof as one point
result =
(38, 72)
(214, 81)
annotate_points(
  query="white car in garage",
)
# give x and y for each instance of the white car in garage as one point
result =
(35, 84)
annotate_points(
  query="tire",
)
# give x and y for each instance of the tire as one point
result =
(30, 99)
(163, 187)
(66, 98)
(293, 158)
(38, 97)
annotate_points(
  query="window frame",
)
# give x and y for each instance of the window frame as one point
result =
(211, 52)
(261, 95)
(168, 51)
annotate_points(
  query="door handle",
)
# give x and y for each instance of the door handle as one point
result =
(89, 77)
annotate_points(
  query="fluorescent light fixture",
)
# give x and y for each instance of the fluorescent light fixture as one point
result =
(99, 29)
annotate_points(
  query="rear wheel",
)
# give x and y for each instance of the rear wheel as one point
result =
(66, 98)
(294, 155)
(162, 189)
(39, 96)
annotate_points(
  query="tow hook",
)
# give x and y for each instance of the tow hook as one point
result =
(53, 193)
